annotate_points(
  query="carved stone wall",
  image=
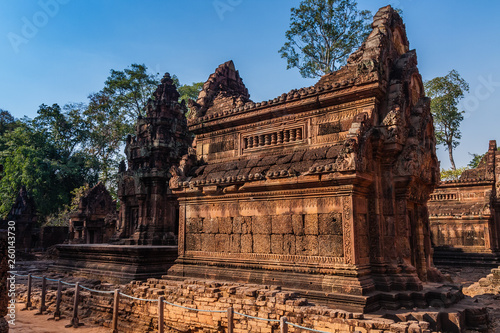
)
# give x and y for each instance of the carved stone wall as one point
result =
(465, 213)
(148, 210)
(323, 189)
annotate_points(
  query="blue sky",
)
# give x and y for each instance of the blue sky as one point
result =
(60, 51)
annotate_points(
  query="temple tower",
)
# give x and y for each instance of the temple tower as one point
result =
(148, 210)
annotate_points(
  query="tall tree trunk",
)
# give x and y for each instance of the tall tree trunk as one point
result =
(450, 152)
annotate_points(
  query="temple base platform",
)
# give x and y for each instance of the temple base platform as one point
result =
(115, 263)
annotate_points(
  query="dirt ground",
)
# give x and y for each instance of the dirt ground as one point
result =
(27, 321)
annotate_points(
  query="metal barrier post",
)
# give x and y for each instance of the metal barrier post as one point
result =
(230, 315)
(116, 303)
(28, 302)
(283, 325)
(74, 320)
(161, 327)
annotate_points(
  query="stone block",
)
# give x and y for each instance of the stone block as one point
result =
(235, 243)
(330, 224)
(194, 225)
(246, 225)
(289, 244)
(261, 225)
(277, 244)
(210, 225)
(237, 223)
(262, 244)
(298, 224)
(225, 225)
(246, 243)
(222, 243)
(193, 242)
(300, 245)
(311, 224)
(281, 224)
(331, 245)
(311, 245)
(208, 242)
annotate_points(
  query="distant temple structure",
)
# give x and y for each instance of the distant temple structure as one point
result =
(322, 190)
(24, 213)
(148, 210)
(465, 213)
(94, 220)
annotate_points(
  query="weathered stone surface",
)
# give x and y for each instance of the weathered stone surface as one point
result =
(281, 224)
(311, 224)
(261, 225)
(331, 245)
(211, 225)
(262, 244)
(246, 243)
(298, 224)
(330, 224)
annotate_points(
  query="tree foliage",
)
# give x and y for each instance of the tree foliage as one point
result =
(46, 156)
(452, 174)
(64, 150)
(112, 114)
(130, 89)
(476, 159)
(187, 91)
(446, 92)
(322, 34)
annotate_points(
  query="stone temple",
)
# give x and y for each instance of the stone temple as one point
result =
(323, 189)
(465, 214)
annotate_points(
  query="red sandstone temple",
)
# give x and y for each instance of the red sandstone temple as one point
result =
(323, 189)
(465, 213)
(94, 220)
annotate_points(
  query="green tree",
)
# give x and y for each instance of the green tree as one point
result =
(112, 114)
(446, 92)
(7, 121)
(45, 155)
(476, 159)
(322, 34)
(130, 89)
(452, 174)
(187, 91)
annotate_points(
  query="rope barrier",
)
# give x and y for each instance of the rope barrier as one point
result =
(258, 318)
(68, 284)
(52, 280)
(139, 299)
(97, 291)
(305, 328)
(192, 309)
(172, 304)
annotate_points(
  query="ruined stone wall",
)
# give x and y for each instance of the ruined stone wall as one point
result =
(263, 301)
